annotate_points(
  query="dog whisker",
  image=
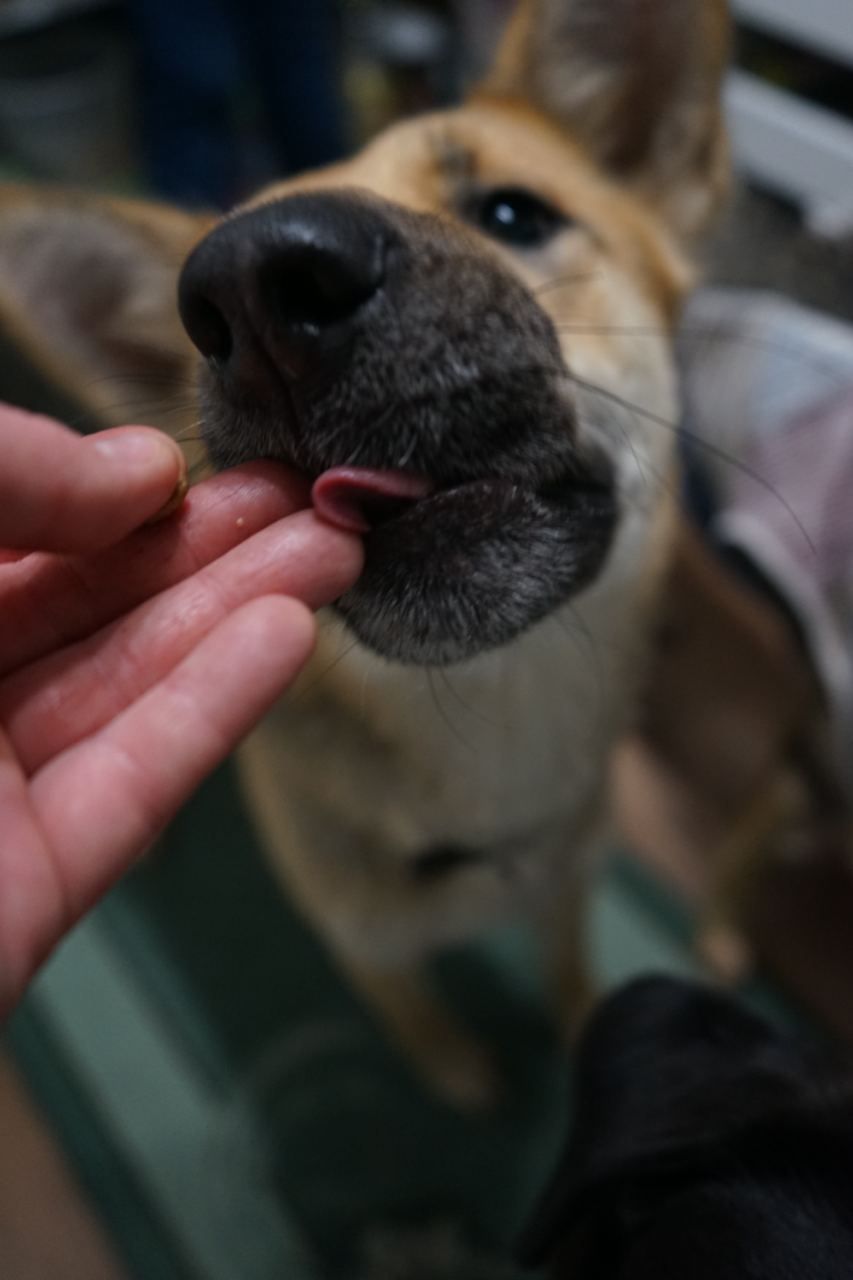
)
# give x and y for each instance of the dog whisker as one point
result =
(457, 697)
(304, 690)
(442, 714)
(713, 333)
(587, 650)
(563, 282)
(714, 450)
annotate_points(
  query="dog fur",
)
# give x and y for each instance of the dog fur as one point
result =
(402, 808)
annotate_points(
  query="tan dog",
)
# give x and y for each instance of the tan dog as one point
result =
(482, 300)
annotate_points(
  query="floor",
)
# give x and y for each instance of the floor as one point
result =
(226, 1117)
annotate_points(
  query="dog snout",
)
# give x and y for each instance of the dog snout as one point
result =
(289, 281)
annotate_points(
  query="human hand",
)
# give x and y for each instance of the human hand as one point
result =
(133, 657)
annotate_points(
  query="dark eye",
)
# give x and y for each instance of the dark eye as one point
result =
(518, 218)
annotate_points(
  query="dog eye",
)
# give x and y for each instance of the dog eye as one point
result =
(518, 218)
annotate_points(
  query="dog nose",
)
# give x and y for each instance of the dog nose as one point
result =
(290, 278)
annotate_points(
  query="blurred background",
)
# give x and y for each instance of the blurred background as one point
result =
(200, 101)
(188, 1092)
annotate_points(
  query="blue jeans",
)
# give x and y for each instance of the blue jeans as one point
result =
(196, 56)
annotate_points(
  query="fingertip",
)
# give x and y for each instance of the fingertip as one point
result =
(147, 468)
(340, 561)
(60, 491)
(273, 637)
(175, 500)
(143, 449)
(278, 609)
(285, 622)
(295, 485)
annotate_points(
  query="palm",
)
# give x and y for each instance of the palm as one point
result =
(119, 689)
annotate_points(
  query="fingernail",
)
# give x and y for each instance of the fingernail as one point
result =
(181, 490)
(146, 450)
(137, 448)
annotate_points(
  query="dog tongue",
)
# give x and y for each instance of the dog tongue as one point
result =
(357, 498)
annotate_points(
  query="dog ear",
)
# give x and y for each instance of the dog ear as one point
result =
(669, 1075)
(87, 295)
(637, 83)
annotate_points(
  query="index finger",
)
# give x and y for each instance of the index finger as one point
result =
(49, 601)
(63, 492)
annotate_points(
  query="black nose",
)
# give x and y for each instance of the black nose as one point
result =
(291, 278)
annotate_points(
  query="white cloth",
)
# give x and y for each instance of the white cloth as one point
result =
(769, 406)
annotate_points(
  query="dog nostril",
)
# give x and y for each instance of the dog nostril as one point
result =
(207, 328)
(315, 287)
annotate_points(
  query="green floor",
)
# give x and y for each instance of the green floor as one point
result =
(236, 1116)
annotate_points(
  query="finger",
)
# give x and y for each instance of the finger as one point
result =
(60, 491)
(47, 602)
(51, 704)
(31, 898)
(106, 799)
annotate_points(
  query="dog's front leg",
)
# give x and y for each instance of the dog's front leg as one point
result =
(397, 991)
(452, 1063)
(378, 924)
(563, 927)
(572, 986)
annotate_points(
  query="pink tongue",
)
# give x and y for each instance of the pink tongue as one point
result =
(356, 498)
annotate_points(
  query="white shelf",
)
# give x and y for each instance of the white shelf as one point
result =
(802, 151)
(823, 25)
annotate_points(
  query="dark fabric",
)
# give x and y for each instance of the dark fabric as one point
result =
(201, 62)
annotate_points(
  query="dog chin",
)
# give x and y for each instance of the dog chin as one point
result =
(471, 568)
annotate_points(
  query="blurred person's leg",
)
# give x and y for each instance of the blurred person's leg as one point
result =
(188, 73)
(294, 50)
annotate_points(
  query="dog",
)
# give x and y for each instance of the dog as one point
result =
(707, 1143)
(464, 337)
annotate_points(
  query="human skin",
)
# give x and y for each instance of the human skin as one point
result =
(135, 651)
